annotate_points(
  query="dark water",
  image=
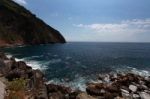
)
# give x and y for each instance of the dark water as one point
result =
(72, 60)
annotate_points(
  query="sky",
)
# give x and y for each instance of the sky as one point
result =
(95, 20)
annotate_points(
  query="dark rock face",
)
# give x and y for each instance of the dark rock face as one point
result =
(19, 26)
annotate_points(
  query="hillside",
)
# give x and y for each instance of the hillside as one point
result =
(19, 26)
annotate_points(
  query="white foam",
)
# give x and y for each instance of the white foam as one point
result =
(134, 71)
(78, 83)
(140, 72)
(41, 65)
(17, 59)
(8, 55)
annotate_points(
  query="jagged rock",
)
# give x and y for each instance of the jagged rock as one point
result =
(133, 88)
(144, 95)
(84, 96)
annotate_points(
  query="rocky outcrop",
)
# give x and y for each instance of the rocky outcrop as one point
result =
(121, 86)
(19, 26)
(109, 86)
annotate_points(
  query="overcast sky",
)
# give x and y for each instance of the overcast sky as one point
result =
(95, 20)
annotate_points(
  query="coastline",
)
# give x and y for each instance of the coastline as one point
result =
(108, 86)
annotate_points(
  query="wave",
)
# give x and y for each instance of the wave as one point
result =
(41, 65)
(78, 83)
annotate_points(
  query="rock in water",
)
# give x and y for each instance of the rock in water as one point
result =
(18, 26)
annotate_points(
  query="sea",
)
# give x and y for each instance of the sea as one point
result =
(76, 63)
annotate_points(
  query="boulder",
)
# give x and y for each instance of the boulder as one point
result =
(133, 88)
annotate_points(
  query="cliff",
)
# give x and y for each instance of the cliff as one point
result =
(19, 26)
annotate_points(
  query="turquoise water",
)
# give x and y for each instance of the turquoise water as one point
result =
(72, 62)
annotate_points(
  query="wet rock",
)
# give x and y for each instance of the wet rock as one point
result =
(133, 88)
(84, 96)
(144, 95)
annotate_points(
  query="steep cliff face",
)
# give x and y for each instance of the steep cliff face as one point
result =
(20, 26)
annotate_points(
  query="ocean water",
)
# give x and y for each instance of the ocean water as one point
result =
(77, 63)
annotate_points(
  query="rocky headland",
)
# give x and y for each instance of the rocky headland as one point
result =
(109, 86)
(18, 26)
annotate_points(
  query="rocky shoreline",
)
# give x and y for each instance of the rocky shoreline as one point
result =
(109, 86)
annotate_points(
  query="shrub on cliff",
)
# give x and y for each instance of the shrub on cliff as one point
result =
(16, 89)
(17, 84)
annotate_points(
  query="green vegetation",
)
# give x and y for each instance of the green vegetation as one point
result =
(17, 89)
(17, 84)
